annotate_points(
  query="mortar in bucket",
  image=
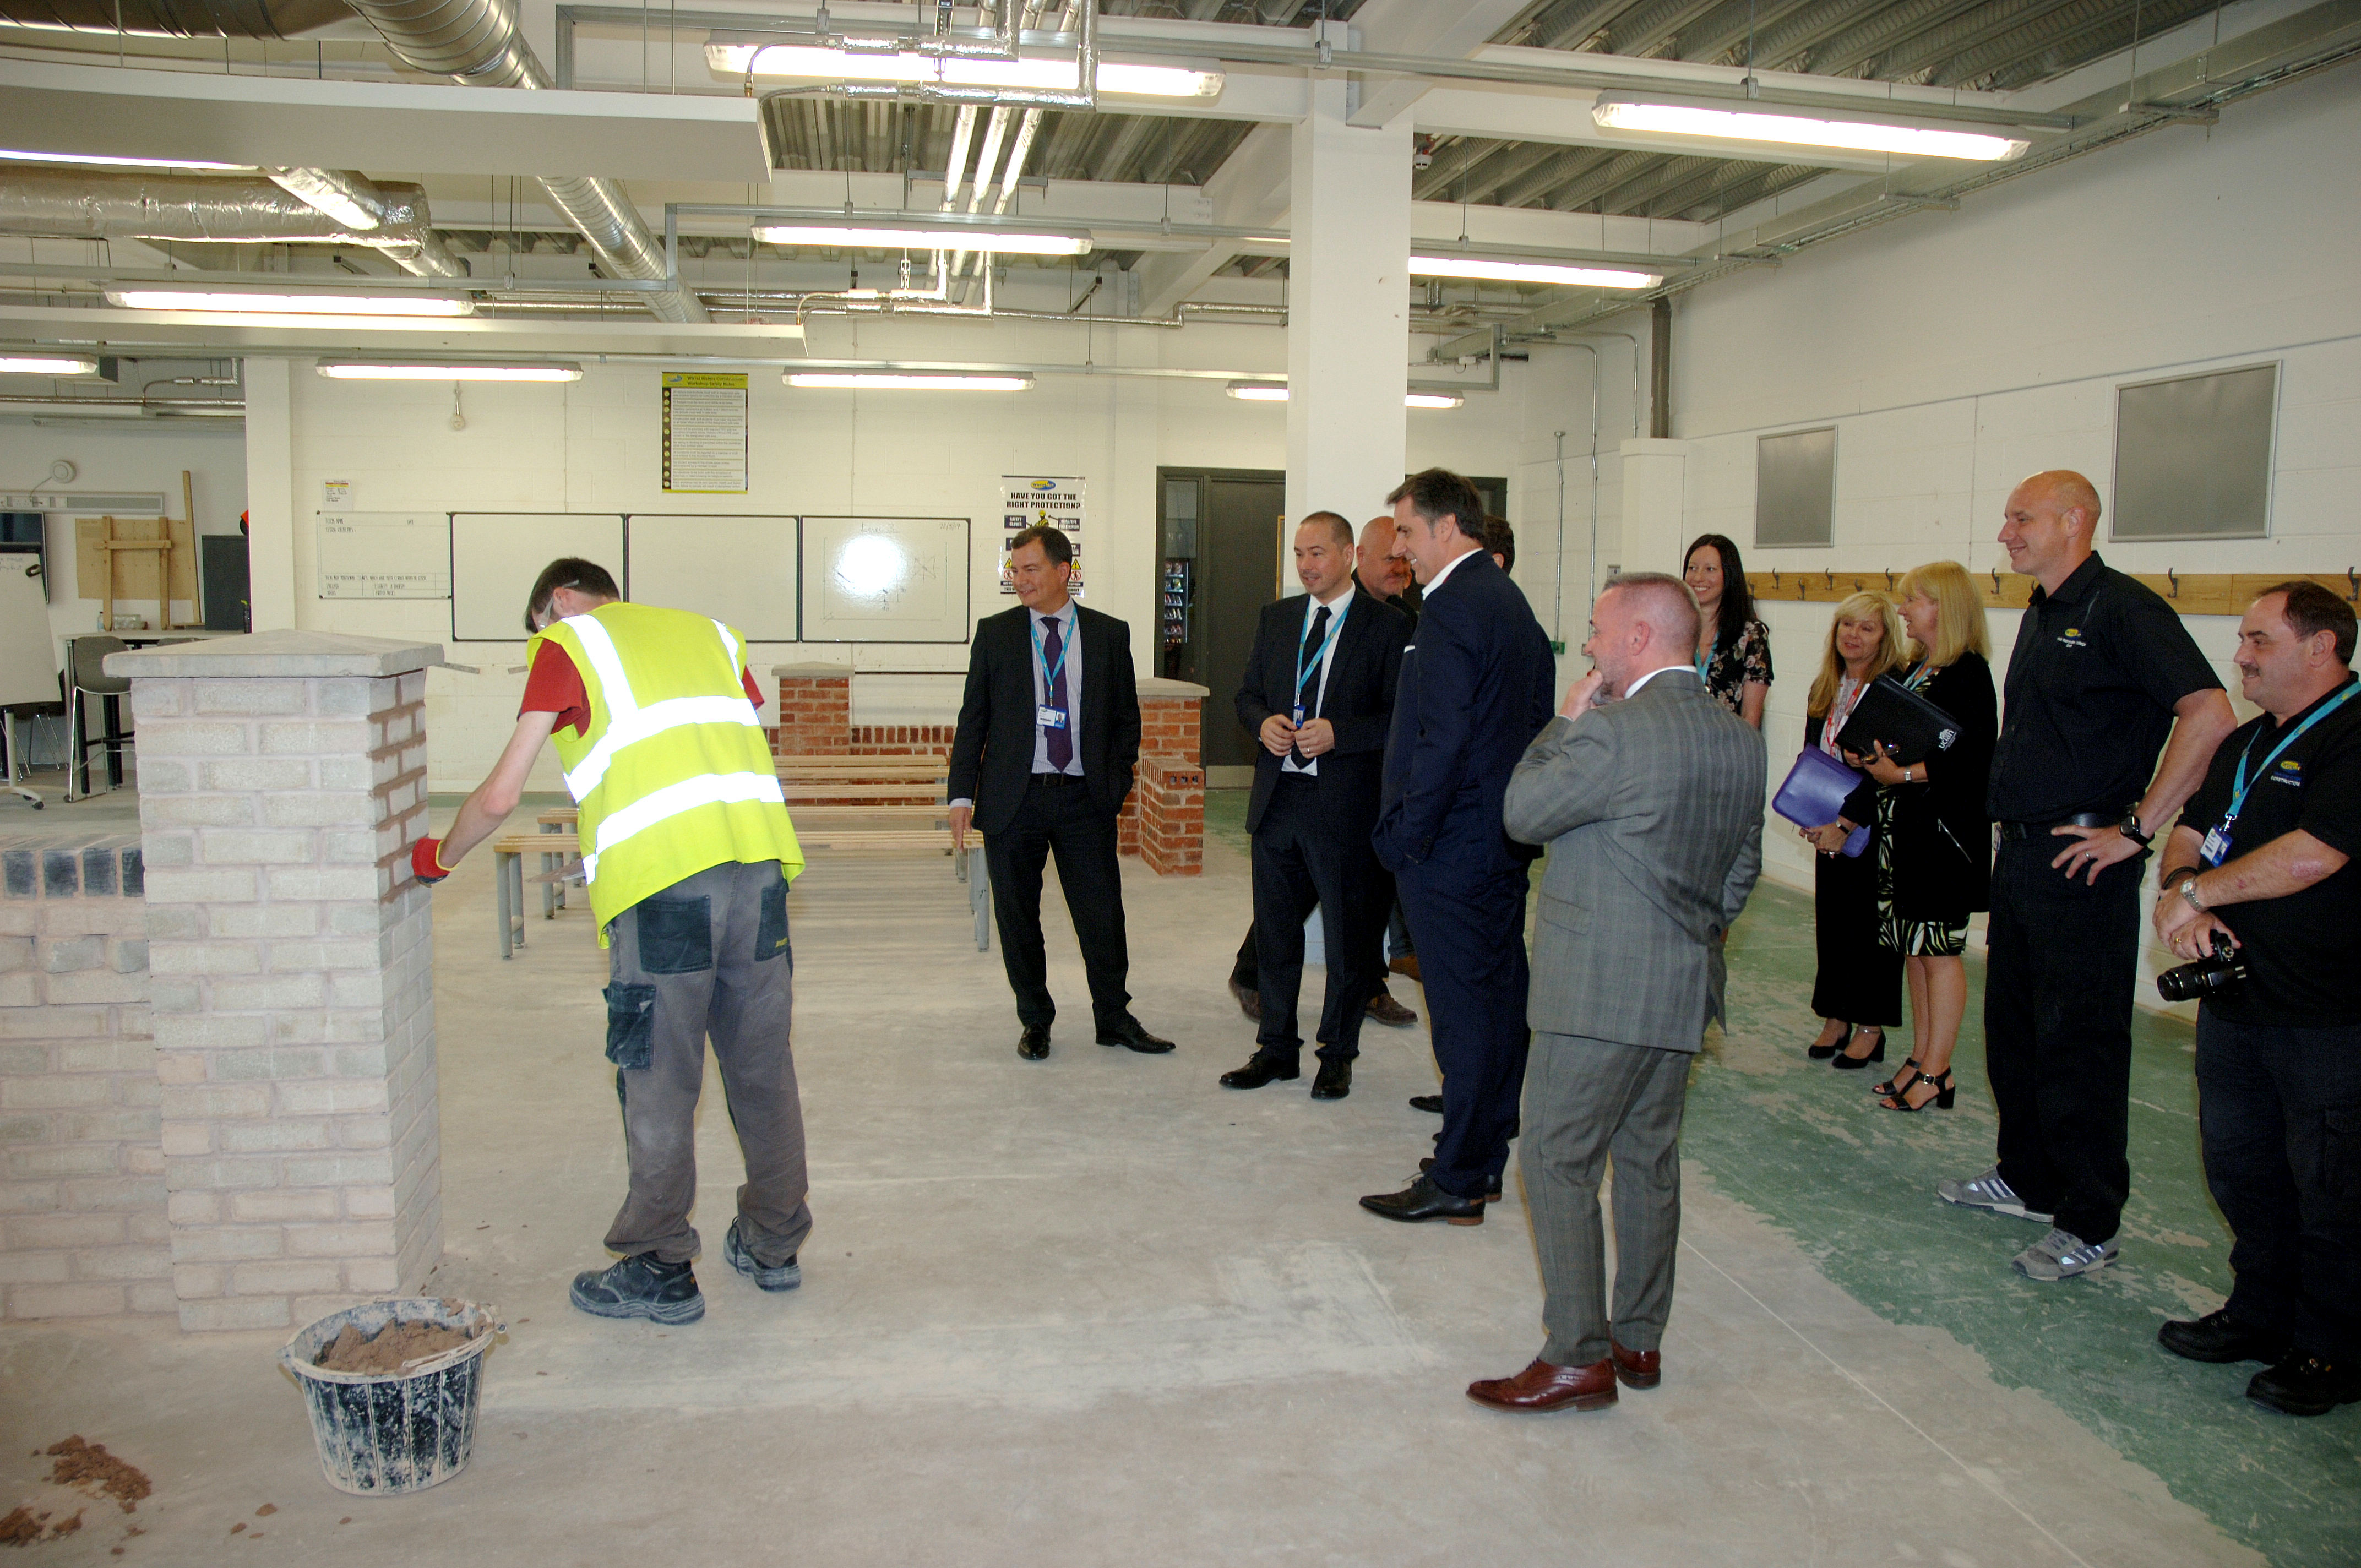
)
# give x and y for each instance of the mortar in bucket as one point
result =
(382, 1434)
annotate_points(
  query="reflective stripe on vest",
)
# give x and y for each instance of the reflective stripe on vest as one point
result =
(627, 722)
(713, 789)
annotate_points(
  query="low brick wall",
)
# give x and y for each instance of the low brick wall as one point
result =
(83, 1227)
(1171, 831)
(814, 713)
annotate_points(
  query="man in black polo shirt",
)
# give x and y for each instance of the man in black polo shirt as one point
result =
(2104, 676)
(2263, 857)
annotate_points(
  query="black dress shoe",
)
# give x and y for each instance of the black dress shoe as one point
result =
(1333, 1081)
(2306, 1385)
(1033, 1043)
(1430, 1103)
(1384, 1009)
(1423, 1199)
(1259, 1070)
(2217, 1337)
(1249, 1000)
(1492, 1193)
(1132, 1033)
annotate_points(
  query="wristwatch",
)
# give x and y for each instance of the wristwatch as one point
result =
(2188, 892)
(2130, 828)
(2175, 877)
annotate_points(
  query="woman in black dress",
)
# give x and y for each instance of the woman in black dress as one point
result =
(1934, 865)
(1733, 651)
(1858, 991)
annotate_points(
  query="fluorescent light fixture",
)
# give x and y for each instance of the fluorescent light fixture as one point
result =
(444, 370)
(1531, 272)
(48, 364)
(18, 155)
(924, 239)
(908, 382)
(1276, 392)
(1755, 121)
(239, 301)
(801, 62)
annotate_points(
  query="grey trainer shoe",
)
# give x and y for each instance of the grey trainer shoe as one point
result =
(1989, 1191)
(2063, 1255)
(783, 1277)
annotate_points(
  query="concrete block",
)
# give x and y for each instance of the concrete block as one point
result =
(356, 884)
(173, 852)
(199, 811)
(34, 1128)
(279, 1208)
(63, 957)
(290, 846)
(41, 1162)
(131, 956)
(29, 1232)
(228, 1244)
(185, 1140)
(274, 919)
(280, 738)
(158, 1296)
(38, 1023)
(287, 1276)
(193, 738)
(281, 1135)
(346, 808)
(34, 1267)
(200, 1281)
(96, 986)
(347, 697)
(260, 994)
(235, 1312)
(160, 776)
(91, 1300)
(360, 1169)
(367, 1133)
(373, 1276)
(259, 774)
(341, 1241)
(138, 1125)
(159, 699)
(210, 1032)
(107, 1056)
(358, 774)
(52, 1093)
(215, 1101)
(124, 1264)
(29, 1197)
(250, 696)
(193, 1208)
(116, 1194)
(332, 1097)
(22, 989)
(216, 1174)
(370, 1202)
(15, 953)
(213, 885)
(214, 956)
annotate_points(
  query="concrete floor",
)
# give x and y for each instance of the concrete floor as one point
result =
(1089, 1310)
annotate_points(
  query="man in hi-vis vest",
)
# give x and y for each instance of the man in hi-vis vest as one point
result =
(687, 852)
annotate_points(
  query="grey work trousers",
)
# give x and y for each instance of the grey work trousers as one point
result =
(1586, 1100)
(707, 956)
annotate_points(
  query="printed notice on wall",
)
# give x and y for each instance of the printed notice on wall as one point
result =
(1047, 500)
(704, 433)
(385, 556)
(336, 495)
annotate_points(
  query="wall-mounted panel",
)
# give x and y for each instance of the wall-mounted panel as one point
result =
(497, 556)
(1796, 488)
(2193, 456)
(740, 570)
(884, 579)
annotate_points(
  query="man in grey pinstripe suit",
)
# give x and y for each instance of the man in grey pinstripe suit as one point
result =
(1649, 795)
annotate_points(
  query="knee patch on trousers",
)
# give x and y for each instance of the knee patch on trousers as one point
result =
(631, 1024)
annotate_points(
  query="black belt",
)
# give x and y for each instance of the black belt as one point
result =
(2011, 831)
(1051, 781)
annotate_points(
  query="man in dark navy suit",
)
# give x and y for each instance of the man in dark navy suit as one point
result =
(1048, 731)
(1318, 694)
(1475, 690)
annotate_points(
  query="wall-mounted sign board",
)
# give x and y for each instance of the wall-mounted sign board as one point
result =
(384, 555)
(704, 432)
(741, 571)
(884, 579)
(495, 557)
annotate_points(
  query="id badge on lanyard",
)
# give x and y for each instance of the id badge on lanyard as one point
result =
(1050, 717)
(1044, 715)
(2216, 848)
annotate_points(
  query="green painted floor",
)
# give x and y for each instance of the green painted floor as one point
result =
(1812, 1152)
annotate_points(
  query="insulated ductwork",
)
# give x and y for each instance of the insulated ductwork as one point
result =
(475, 42)
(181, 18)
(79, 204)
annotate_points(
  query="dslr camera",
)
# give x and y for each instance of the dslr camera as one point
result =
(2217, 974)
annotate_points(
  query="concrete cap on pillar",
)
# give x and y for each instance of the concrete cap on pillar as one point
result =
(816, 670)
(1157, 686)
(278, 654)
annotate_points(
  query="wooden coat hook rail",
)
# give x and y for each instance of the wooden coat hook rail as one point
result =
(2190, 593)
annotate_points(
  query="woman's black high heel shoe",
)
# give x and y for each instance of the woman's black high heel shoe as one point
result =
(1901, 1081)
(1822, 1053)
(1847, 1062)
(1944, 1092)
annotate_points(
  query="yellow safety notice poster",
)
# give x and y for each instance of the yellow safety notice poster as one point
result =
(704, 433)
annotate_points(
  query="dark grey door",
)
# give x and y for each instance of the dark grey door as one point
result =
(1236, 572)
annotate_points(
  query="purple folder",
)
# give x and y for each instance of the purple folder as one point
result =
(1814, 793)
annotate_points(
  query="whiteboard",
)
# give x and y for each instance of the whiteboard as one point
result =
(885, 579)
(385, 555)
(737, 570)
(495, 557)
(28, 656)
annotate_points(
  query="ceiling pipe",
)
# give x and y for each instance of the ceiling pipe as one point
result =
(477, 43)
(65, 203)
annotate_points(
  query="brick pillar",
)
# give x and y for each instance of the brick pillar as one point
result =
(815, 715)
(283, 779)
(1164, 821)
(1169, 717)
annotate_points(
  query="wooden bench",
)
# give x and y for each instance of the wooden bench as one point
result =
(560, 855)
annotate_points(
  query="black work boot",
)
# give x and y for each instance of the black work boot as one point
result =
(2305, 1384)
(641, 1286)
(768, 1276)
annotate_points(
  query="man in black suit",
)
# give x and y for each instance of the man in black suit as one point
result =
(1475, 690)
(1318, 691)
(1048, 731)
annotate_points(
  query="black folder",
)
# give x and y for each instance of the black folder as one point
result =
(1912, 728)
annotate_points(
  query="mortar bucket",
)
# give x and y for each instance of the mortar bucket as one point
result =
(382, 1434)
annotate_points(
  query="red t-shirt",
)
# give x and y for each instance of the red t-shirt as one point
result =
(554, 686)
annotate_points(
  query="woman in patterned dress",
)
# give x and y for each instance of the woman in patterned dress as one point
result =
(1733, 651)
(1934, 842)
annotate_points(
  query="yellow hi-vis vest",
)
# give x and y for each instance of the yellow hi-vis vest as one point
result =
(674, 774)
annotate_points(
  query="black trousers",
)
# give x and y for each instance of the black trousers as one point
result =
(1300, 860)
(1248, 969)
(1057, 816)
(1858, 981)
(2057, 1031)
(1471, 955)
(2279, 1110)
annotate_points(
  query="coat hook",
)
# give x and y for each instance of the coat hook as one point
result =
(1889, 579)
(1996, 593)
(2352, 576)
(1830, 574)
(2174, 579)
(1774, 579)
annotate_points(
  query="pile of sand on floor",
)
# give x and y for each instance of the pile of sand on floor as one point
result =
(390, 1349)
(89, 1467)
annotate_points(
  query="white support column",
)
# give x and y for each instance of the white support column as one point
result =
(1655, 505)
(271, 493)
(1349, 309)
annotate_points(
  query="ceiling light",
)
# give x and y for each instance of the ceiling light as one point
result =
(18, 155)
(924, 239)
(1530, 272)
(48, 364)
(433, 370)
(1756, 121)
(1433, 400)
(237, 302)
(908, 382)
(1276, 392)
(801, 62)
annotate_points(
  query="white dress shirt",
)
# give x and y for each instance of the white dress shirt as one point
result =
(1035, 641)
(1336, 606)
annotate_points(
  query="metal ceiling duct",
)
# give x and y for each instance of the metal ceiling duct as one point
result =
(86, 204)
(180, 19)
(477, 43)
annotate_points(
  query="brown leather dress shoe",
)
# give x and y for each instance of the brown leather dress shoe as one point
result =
(1541, 1387)
(1637, 1368)
(1406, 964)
(1384, 1009)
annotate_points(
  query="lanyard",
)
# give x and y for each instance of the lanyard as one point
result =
(2240, 782)
(1336, 624)
(1919, 677)
(1837, 713)
(1049, 673)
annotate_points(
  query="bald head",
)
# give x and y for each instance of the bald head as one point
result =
(2049, 525)
(1642, 624)
(2066, 490)
(1374, 562)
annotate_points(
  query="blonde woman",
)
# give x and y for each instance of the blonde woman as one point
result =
(1859, 988)
(1934, 850)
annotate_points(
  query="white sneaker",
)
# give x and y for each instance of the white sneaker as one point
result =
(2063, 1255)
(1989, 1191)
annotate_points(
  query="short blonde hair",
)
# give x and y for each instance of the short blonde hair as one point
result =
(1959, 612)
(1861, 607)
